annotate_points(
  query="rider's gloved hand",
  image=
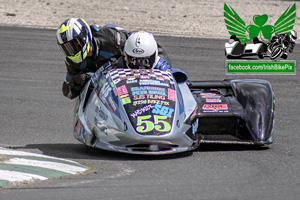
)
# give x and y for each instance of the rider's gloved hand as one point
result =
(79, 80)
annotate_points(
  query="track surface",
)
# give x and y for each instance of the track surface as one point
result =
(35, 117)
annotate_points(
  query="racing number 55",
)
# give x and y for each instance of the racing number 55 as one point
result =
(144, 125)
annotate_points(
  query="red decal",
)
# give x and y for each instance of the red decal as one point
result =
(215, 107)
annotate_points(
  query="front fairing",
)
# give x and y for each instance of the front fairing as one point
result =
(148, 98)
(132, 109)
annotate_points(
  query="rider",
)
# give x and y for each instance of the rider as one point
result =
(86, 49)
(141, 52)
(287, 39)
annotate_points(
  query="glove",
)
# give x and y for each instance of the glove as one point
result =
(79, 80)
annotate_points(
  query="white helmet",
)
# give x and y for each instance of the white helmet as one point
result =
(293, 35)
(141, 51)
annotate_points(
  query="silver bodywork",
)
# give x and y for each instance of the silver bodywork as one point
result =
(156, 112)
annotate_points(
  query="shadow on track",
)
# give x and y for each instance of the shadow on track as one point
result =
(80, 151)
(229, 147)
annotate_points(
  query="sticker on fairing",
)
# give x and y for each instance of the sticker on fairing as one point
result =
(149, 123)
(148, 97)
(215, 108)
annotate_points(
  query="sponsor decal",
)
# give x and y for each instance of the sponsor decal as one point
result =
(123, 96)
(142, 110)
(138, 97)
(139, 102)
(159, 124)
(112, 85)
(171, 94)
(99, 111)
(215, 108)
(112, 104)
(210, 95)
(158, 102)
(153, 82)
(131, 81)
(195, 126)
(102, 98)
(122, 90)
(163, 110)
(145, 76)
(126, 100)
(155, 96)
(115, 92)
(138, 51)
(213, 100)
(149, 101)
(148, 90)
(148, 96)
(105, 90)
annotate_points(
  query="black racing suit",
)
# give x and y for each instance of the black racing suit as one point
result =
(108, 43)
(285, 39)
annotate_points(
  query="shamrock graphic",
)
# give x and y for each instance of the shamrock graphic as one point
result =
(236, 26)
(260, 28)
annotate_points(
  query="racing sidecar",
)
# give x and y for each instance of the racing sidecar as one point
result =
(160, 112)
(235, 49)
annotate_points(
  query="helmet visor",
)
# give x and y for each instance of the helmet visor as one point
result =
(140, 63)
(72, 47)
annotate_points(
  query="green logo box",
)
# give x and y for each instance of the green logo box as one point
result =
(242, 67)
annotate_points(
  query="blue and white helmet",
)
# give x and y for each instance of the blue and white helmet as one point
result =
(74, 36)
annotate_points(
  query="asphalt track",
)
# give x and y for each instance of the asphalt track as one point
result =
(35, 117)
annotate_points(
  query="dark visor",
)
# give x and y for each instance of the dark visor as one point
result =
(140, 63)
(72, 47)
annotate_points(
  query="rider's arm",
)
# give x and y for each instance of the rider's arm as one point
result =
(162, 65)
(66, 88)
